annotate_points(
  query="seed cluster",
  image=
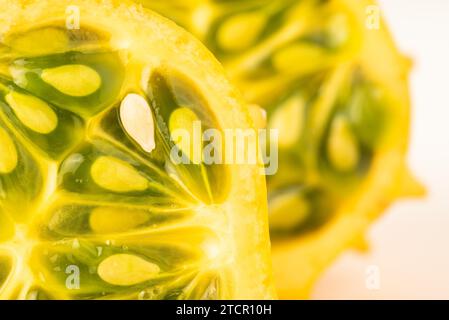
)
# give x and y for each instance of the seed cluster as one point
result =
(86, 174)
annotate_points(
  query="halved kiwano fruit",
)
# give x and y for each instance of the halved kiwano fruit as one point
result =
(334, 85)
(92, 204)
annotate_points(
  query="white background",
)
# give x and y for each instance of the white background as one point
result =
(410, 244)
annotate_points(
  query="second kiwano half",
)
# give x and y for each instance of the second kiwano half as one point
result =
(333, 83)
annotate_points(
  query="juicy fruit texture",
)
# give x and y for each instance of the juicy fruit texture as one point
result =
(335, 87)
(91, 203)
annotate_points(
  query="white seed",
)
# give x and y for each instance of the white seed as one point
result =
(137, 119)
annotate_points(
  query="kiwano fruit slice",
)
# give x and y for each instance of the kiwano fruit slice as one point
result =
(92, 203)
(334, 85)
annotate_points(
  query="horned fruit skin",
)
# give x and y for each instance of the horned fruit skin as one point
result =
(388, 178)
(223, 234)
(251, 38)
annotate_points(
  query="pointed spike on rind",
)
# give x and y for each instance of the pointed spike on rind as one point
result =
(361, 244)
(410, 186)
